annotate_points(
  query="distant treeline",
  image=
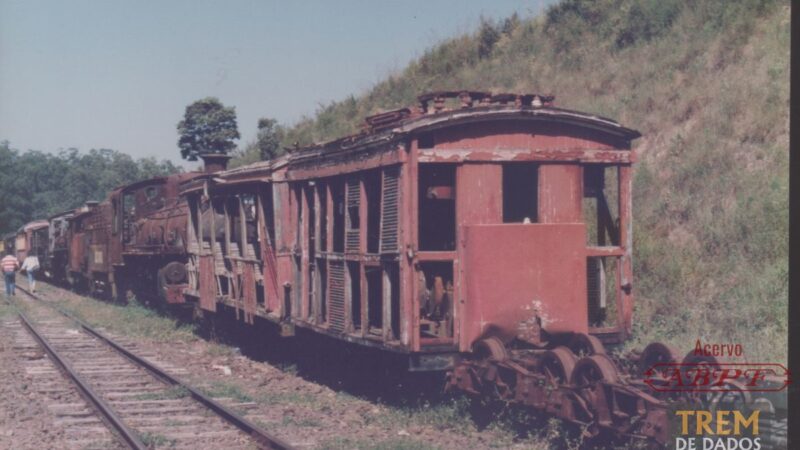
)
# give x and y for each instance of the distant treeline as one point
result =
(35, 185)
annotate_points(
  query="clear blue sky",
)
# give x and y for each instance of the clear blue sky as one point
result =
(118, 74)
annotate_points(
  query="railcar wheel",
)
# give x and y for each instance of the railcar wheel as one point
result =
(657, 353)
(557, 364)
(593, 369)
(583, 344)
(491, 349)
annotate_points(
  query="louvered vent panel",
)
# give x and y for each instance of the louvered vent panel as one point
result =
(353, 193)
(336, 295)
(352, 241)
(390, 211)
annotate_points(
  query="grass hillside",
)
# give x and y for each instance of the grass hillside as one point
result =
(707, 84)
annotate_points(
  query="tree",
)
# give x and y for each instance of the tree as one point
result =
(269, 138)
(207, 127)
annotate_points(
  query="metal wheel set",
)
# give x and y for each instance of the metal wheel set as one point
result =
(623, 397)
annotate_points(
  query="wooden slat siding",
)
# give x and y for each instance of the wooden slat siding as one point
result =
(353, 200)
(267, 256)
(389, 211)
(336, 292)
(208, 285)
(249, 291)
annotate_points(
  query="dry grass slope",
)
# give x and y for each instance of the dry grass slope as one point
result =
(708, 85)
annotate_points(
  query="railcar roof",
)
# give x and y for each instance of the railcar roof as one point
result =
(431, 114)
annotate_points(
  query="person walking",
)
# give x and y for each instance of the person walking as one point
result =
(9, 266)
(30, 266)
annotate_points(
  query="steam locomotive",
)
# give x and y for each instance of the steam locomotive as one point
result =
(486, 235)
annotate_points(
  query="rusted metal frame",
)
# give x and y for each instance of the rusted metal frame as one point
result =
(383, 157)
(130, 437)
(363, 210)
(330, 211)
(433, 256)
(409, 246)
(247, 267)
(317, 302)
(582, 155)
(625, 263)
(386, 296)
(305, 263)
(594, 251)
(267, 257)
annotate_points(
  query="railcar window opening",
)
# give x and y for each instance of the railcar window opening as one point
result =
(520, 192)
(268, 206)
(353, 214)
(260, 294)
(217, 229)
(128, 216)
(437, 216)
(114, 216)
(251, 219)
(234, 226)
(223, 286)
(601, 205)
(372, 189)
(337, 194)
(436, 299)
(322, 198)
(311, 247)
(374, 279)
(322, 281)
(391, 280)
(194, 223)
(354, 276)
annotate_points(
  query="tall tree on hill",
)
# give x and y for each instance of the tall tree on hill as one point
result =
(269, 138)
(208, 126)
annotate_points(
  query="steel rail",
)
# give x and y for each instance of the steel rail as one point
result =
(261, 436)
(126, 433)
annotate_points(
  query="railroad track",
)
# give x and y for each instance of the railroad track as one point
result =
(125, 399)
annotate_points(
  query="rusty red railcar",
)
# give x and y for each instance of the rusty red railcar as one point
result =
(135, 239)
(471, 216)
(31, 240)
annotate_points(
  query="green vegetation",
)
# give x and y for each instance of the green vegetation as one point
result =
(35, 185)
(154, 440)
(208, 126)
(707, 83)
(133, 319)
(228, 390)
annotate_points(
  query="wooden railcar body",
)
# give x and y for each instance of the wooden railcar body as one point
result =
(432, 229)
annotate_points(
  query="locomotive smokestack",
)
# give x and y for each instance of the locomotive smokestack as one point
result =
(214, 162)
